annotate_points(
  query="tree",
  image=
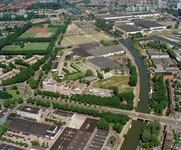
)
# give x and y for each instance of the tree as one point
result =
(154, 139)
(22, 45)
(89, 72)
(21, 143)
(145, 136)
(103, 124)
(4, 89)
(17, 92)
(25, 145)
(125, 136)
(65, 64)
(176, 26)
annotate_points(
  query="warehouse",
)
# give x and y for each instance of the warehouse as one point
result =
(68, 134)
(34, 128)
(64, 115)
(30, 112)
(153, 54)
(55, 66)
(151, 25)
(127, 29)
(74, 139)
(102, 51)
(99, 140)
(102, 62)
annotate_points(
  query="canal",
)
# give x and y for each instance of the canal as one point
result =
(131, 142)
(74, 11)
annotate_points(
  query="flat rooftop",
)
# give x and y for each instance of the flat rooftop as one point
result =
(64, 139)
(102, 62)
(55, 65)
(98, 140)
(29, 126)
(30, 109)
(63, 113)
(89, 125)
(146, 23)
(128, 28)
(7, 110)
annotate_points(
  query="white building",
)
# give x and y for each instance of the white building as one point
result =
(30, 112)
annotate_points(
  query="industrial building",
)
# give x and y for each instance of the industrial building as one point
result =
(81, 51)
(35, 128)
(54, 66)
(139, 8)
(64, 115)
(74, 139)
(127, 29)
(30, 112)
(100, 92)
(102, 62)
(99, 140)
(153, 54)
(3, 114)
(102, 51)
(148, 25)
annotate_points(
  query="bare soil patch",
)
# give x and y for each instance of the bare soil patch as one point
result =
(46, 25)
(36, 30)
(42, 35)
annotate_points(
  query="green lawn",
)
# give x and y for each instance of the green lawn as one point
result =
(53, 30)
(13, 93)
(27, 35)
(119, 81)
(29, 89)
(29, 46)
(74, 76)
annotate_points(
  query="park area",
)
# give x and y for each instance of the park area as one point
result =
(38, 32)
(82, 39)
(119, 81)
(28, 46)
(14, 94)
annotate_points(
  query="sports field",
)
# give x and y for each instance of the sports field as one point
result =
(32, 32)
(120, 81)
(81, 39)
(29, 46)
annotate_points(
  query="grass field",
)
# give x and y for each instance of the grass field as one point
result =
(27, 35)
(53, 30)
(74, 76)
(119, 81)
(81, 39)
(29, 46)
(13, 93)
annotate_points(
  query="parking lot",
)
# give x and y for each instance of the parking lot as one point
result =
(25, 138)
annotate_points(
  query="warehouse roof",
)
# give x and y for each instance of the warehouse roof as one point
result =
(65, 139)
(103, 62)
(89, 125)
(55, 65)
(29, 126)
(128, 28)
(98, 140)
(102, 50)
(30, 109)
(146, 23)
(81, 52)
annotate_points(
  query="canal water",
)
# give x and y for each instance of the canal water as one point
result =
(70, 8)
(131, 142)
